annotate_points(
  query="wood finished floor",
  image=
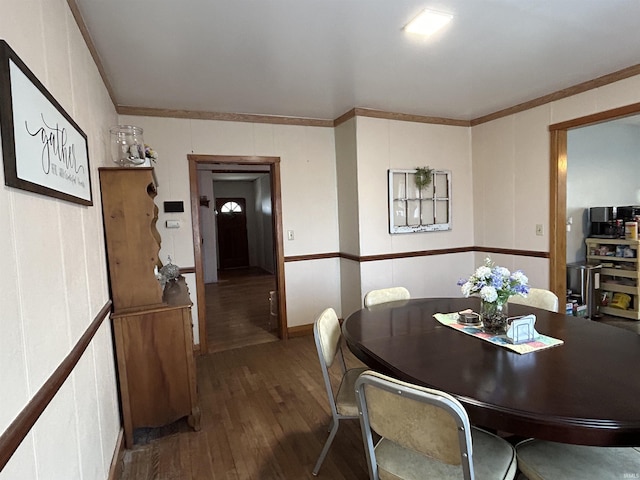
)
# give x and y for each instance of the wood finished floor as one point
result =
(264, 407)
(238, 309)
(264, 416)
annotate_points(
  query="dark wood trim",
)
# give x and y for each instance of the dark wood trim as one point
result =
(223, 116)
(184, 270)
(300, 330)
(276, 205)
(315, 256)
(276, 201)
(75, 11)
(405, 117)
(236, 159)
(344, 117)
(560, 94)
(613, 114)
(197, 252)
(115, 470)
(510, 251)
(13, 436)
(420, 253)
(558, 212)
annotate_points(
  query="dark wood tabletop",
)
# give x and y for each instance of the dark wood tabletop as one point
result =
(586, 391)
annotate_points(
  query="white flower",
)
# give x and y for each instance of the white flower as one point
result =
(488, 293)
(503, 272)
(520, 277)
(466, 289)
(483, 272)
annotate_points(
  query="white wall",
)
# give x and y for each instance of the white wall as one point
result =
(391, 144)
(54, 278)
(512, 177)
(602, 163)
(309, 195)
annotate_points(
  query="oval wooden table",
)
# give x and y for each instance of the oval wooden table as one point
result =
(586, 391)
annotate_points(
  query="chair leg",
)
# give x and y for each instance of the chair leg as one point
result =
(334, 429)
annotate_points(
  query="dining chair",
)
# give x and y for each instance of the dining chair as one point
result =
(537, 298)
(328, 338)
(384, 295)
(542, 460)
(425, 433)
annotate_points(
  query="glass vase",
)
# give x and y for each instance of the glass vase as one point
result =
(127, 145)
(494, 316)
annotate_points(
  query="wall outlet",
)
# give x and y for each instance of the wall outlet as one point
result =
(539, 230)
(289, 234)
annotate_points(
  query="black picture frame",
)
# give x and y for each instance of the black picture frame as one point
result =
(44, 150)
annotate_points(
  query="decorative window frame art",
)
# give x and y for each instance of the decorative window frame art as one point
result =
(44, 150)
(412, 209)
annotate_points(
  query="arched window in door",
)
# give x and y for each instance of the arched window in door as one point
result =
(231, 207)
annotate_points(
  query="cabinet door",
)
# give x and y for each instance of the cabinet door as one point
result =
(158, 367)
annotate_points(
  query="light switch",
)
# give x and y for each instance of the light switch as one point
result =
(290, 234)
(173, 223)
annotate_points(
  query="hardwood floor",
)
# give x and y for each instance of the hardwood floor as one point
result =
(264, 410)
(238, 309)
(264, 416)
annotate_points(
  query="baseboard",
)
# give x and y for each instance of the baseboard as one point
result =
(115, 470)
(300, 330)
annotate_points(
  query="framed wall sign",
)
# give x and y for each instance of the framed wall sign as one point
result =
(44, 150)
(413, 209)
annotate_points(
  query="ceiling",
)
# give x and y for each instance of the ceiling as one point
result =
(321, 58)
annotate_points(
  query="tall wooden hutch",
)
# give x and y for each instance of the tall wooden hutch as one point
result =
(152, 327)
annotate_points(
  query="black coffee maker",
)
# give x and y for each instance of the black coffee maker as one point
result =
(605, 222)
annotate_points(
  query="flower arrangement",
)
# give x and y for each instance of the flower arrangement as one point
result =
(150, 153)
(495, 284)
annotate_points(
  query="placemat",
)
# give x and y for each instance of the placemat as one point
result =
(540, 343)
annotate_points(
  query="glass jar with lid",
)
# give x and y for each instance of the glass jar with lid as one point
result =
(127, 145)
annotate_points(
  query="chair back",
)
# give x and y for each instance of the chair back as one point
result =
(327, 334)
(538, 298)
(384, 295)
(424, 420)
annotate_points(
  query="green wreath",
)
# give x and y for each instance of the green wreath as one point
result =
(423, 177)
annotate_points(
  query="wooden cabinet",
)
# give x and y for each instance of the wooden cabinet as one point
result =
(619, 273)
(152, 328)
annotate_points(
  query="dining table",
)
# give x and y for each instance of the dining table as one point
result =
(585, 391)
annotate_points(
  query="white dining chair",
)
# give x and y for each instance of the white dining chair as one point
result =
(328, 338)
(543, 460)
(385, 295)
(425, 433)
(538, 298)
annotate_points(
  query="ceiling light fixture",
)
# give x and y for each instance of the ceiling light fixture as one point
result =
(428, 22)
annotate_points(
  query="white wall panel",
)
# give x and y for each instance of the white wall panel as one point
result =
(55, 278)
(351, 296)
(312, 287)
(531, 158)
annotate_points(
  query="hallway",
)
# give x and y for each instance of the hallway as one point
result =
(238, 309)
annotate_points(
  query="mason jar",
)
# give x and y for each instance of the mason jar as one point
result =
(127, 145)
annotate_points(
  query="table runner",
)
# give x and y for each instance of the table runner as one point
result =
(540, 343)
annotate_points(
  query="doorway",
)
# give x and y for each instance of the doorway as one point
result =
(275, 243)
(558, 189)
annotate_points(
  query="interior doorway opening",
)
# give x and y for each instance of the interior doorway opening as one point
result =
(225, 284)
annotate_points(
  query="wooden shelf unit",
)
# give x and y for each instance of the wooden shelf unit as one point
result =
(609, 274)
(152, 328)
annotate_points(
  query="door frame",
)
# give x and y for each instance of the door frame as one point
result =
(558, 190)
(276, 206)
